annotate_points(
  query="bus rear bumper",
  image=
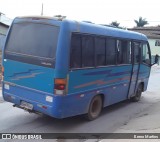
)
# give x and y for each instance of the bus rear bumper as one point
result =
(38, 108)
(58, 107)
(42, 102)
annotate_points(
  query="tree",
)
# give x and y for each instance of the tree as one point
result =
(115, 23)
(141, 22)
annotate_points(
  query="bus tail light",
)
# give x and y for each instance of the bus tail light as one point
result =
(60, 86)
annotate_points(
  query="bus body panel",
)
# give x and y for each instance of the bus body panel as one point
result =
(62, 53)
(144, 73)
(28, 75)
(133, 81)
(17, 94)
(87, 28)
(35, 84)
(58, 107)
(112, 81)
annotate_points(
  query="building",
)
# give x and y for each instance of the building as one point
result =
(153, 34)
(4, 26)
(3, 32)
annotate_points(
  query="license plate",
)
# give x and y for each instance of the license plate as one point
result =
(26, 105)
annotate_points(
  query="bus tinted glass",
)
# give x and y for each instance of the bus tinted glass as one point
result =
(100, 51)
(111, 51)
(33, 39)
(75, 60)
(87, 51)
(124, 52)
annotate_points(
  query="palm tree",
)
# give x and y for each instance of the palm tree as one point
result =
(115, 23)
(141, 22)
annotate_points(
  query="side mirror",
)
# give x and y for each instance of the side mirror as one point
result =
(156, 59)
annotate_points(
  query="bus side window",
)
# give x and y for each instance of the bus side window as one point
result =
(145, 54)
(87, 51)
(100, 51)
(110, 51)
(136, 46)
(75, 56)
(124, 52)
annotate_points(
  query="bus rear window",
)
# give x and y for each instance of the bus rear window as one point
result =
(33, 39)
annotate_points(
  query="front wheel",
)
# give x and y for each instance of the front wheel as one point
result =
(95, 108)
(137, 96)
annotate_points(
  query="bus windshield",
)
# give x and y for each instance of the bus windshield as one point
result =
(33, 39)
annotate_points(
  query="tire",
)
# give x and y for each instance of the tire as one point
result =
(95, 108)
(138, 94)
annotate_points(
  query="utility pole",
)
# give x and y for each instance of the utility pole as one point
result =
(42, 10)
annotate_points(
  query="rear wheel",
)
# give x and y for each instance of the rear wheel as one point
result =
(95, 108)
(137, 96)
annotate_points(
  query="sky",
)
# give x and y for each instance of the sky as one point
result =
(96, 11)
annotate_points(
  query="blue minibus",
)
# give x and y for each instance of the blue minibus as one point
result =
(64, 68)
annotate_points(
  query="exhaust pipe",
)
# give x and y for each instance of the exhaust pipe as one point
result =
(30, 111)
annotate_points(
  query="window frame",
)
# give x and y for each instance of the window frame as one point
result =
(149, 50)
(70, 53)
(95, 59)
(93, 42)
(81, 68)
(31, 59)
(129, 41)
(133, 51)
(157, 42)
(19, 54)
(116, 57)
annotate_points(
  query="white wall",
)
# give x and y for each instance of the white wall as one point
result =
(3, 29)
(2, 39)
(3, 32)
(154, 49)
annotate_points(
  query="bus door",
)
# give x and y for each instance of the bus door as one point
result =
(135, 68)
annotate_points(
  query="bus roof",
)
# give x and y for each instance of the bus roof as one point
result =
(91, 28)
(87, 28)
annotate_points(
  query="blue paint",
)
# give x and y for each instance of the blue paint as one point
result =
(98, 72)
(28, 75)
(120, 92)
(33, 83)
(23, 73)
